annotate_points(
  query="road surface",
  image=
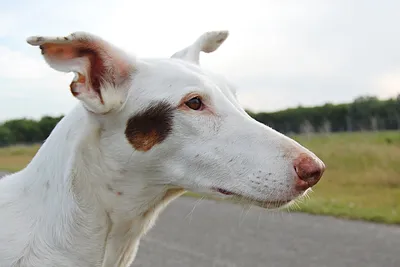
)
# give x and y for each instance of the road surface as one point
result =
(220, 234)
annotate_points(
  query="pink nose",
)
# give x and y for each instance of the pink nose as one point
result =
(309, 171)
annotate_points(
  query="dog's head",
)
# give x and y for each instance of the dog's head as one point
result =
(175, 124)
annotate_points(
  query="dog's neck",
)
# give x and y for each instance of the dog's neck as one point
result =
(71, 167)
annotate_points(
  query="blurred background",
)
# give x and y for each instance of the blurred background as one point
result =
(326, 73)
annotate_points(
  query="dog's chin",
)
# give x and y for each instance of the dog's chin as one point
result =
(276, 204)
(249, 200)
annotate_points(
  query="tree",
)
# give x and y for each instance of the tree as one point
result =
(6, 136)
(46, 125)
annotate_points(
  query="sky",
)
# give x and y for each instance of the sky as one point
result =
(279, 53)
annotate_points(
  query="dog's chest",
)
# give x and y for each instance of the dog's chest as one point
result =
(70, 249)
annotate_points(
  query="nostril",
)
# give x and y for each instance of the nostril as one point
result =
(308, 169)
(316, 174)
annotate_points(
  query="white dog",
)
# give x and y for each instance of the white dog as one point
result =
(144, 132)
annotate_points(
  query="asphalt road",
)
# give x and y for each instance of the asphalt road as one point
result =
(220, 234)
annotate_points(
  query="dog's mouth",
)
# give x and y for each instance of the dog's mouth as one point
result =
(248, 200)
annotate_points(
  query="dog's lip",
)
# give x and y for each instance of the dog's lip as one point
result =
(223, 191)
(262, 203)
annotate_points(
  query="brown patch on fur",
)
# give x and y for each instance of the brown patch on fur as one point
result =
(145, 141)
(149, 127)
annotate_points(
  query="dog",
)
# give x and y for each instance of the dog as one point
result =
(144, 131)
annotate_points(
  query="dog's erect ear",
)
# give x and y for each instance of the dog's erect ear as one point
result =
(101, 70)
(208, 42)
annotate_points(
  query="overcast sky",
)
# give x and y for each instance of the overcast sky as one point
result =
(279, 53)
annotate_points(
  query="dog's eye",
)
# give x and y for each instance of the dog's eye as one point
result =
(194, 103)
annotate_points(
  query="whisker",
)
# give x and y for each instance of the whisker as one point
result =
(191, 212)
(247, 208)
(259, 218)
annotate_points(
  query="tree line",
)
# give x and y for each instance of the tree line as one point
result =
(365, 113)
(27, 131)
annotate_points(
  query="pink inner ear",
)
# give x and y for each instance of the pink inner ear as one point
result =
(59, 51)
(76, 86)
(96, 69)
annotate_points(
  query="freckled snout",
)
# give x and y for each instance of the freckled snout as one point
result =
(309, 171)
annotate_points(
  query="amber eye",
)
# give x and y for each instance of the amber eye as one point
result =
(194, 103)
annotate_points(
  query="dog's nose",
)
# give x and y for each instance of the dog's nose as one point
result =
(309, 171)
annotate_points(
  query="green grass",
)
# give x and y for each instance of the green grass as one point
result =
(14, 158)
(362, 179)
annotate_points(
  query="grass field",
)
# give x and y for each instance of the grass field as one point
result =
(362, 180)
(14, 158)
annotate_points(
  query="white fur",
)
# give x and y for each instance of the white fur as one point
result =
(64, 208)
